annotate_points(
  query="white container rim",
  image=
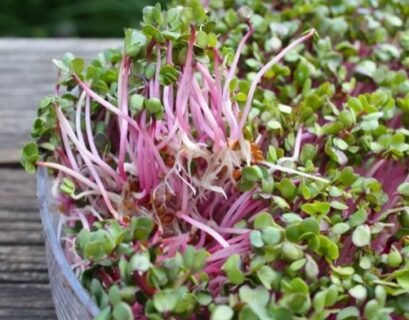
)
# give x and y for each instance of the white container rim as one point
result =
(43, 194)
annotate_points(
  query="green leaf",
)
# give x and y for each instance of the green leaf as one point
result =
(271, 235)
(358, 292)
(366, 68)
(308, 152)
(61, 65)
(150, 70)
(136, 103)
(168, 75)
(403, 189)
(212, 40)
(201, 39)
(135, 40)
(117, 232)
(166, 300)
(252, 174)
(96, 245)
(199, 13)
(122, 311)
(151, 32)
(340, 144)
(232, 269)
(139, 262)
(231, 18)
(358, 218)
(361, 237)
(371, 309)
(186, 304)
(402, 277)
(114, 295)
(173, 266)
(222, 312)
(158, 276)
(317, 208)
(299, 286)
(310, 226)
(154, 105)
(302, 73)
(319, 300)
(340, 228)
(256, 299)
(200, 261)
(263, 219)
(297, 265)
(348, 313)
(189, 257)
(331, 296)
(347, 176)
(274, 125)
(203, 298)
(105, 314)
(311, 268)
(347, 118)
(394, 258)
(290, 218)
(141, 228)
(194, 259)
(67, 186)
(327, 248)
(256, 239)
(338, 205)
(291, 251)
(287, 188)
(267, 276)
(29, 157)
(77, 65)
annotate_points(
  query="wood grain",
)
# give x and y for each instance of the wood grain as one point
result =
(24, 290)
(26, 301)
(27, 74)
(18, 209)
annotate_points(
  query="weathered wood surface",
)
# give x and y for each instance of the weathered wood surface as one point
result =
(27, 74)
(24, 291)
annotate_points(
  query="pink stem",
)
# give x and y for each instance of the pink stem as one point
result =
(65, 125)
(68, 151)
(206, 229)
(236, 135)
(69, 172)
(123, 105)
(158, 66)
(88, 128)
(376, 167)
(80, 144)
(184, 85)
(233, 66)
(218, 135)
(131, 121)
(239, 202)
(218, 104)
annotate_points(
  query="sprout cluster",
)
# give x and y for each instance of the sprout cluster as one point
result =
(227, 163)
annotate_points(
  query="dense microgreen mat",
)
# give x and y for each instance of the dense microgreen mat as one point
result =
(239, 159)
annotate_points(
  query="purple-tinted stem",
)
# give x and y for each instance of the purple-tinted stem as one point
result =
(237, 135)
(206, 229)
(123, 105)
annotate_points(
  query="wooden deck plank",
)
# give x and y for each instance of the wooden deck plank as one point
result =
(27, 74)
(18, 209)
(24, 290)
(25, 296)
